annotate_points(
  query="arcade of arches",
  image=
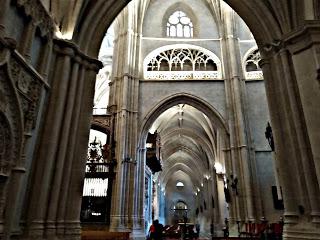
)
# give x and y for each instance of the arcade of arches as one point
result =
(197, 110)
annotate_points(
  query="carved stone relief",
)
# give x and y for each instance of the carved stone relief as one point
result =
(29, 89)
(38, 14)
(11, 124)
(3, 101)
(10, 136)
(102, 121)
(5, 145)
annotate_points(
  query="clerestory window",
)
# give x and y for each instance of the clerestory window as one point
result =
(252, 61)
(251, 65)
(181, 62)
(179, 25)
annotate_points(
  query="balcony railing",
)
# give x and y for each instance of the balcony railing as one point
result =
(99, 111)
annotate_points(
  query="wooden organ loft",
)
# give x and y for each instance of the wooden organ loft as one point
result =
(153, 156)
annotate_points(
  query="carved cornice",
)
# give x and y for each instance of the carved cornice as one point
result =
(103, 121)
(295, 41)
(69, 48)
(38, 14)
(303, 38)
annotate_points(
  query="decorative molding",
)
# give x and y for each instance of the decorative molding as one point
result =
(303, 38)
(11, 134)
(182, 75)
(102, 122)
(29, 85)
(66, 47)
(254, 75)
(12, 116)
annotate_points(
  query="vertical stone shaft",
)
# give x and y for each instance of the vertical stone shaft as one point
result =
(47, 149)
(239, 150)
(72, 149)
(125, 112)
(61, 161)
(28, 37)
(275, 105)
(75, 188)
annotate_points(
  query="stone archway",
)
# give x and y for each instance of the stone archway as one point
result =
(284, 46)
(288, 39)
(195, 167)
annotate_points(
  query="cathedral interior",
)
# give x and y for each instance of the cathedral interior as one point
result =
(201, 114)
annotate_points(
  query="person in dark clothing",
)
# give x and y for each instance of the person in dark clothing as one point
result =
(152, 231)
(198, 230)
(158, 230)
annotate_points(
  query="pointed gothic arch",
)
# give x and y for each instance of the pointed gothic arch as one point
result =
(185, 8)
(181, 98)
(250, 64)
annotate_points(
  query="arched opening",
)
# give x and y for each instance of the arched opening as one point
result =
(201, 61)
(53, 100)
(189, 130)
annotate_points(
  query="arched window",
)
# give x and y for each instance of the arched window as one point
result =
(182, 61)
(179, 25)
(251, 65)
(252, 61)
(179, 184)
(180, 205)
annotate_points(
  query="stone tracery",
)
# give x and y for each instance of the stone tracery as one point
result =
(182, 62)
(251, 65)
(179, 25)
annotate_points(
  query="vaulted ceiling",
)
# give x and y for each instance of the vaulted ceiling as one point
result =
(187, 144)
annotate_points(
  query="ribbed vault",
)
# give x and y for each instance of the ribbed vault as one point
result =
(188, 142)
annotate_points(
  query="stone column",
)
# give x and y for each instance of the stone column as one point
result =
(234, 213)
(292, 141)
(28, 36)
(62, 156)
(124, 102)
(217, 214)
(138, 206)
(48, 146)
(289, 193)
(61, 165)
(70, 153)
(304, 47)
(79, 151)
(241, 164)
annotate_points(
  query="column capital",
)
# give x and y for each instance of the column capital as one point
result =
(295, 41)
(303, 38)
(69, 48)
